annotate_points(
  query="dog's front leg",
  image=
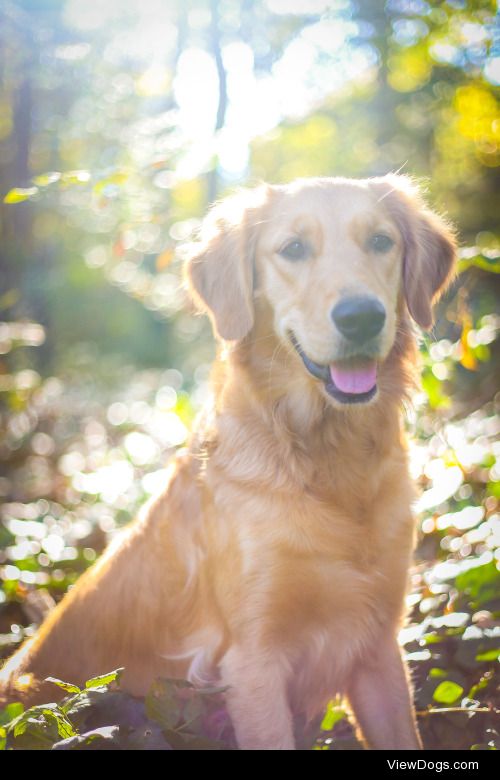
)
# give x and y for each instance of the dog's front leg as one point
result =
(379, 693)
(257, 699)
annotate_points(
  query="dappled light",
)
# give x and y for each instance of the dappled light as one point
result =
(119, 124)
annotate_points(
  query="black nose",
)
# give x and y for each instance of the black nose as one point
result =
(359, 318)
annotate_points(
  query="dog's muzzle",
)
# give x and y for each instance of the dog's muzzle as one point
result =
(359, 318)
(349, 381)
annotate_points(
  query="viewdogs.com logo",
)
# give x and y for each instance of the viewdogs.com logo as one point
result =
(436, 766)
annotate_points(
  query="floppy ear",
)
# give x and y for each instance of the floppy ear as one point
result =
(220, 269)
(429, 245)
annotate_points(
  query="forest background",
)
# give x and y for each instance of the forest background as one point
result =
(119, 123)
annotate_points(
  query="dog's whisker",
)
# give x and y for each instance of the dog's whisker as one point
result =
(275, 354)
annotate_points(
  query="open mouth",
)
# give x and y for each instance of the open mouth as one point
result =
(351, 381)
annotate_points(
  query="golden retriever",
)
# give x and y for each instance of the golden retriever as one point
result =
(276, 558)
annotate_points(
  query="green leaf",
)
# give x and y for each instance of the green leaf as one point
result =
(162, 704)
(69, 687)
(20, 727)
(104, 738)
(18, 194)
(433, 387)
(334, 714)
(105, 679)
(3, 738)
(192, 713)
(491, 264)
(490, 655)
(485, 682)
(437, 672)
(39, 727)
(78, 707)
(433, 638)
(46, 178)
(481, 583)
(447, 692)
(11, 711)
(75, 177)
(64, 727)
(494, 489)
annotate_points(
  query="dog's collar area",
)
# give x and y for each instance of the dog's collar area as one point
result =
(326, 375)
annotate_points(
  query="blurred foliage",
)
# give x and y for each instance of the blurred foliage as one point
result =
(118, 124)
(173, 716)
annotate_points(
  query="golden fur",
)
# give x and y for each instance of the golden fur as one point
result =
(276, 558)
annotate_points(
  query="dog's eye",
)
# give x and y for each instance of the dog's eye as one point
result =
(295, 250)
(380, 243)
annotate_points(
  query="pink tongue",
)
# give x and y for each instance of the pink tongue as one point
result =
(355, 379)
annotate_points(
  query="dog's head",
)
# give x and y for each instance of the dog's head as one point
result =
(339, 261)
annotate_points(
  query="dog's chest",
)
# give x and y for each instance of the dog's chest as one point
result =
(318, 581)
(324, 616)
(319, 615)
(316, 585)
